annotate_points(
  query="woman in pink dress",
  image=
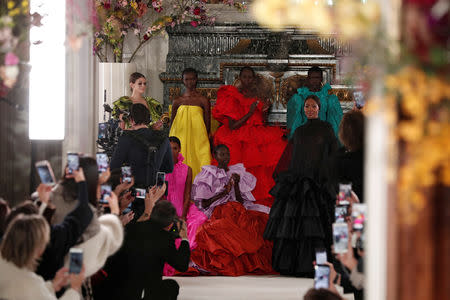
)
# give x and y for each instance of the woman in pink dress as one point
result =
(179, 194)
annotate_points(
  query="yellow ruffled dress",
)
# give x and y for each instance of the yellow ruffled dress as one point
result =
(190, 128)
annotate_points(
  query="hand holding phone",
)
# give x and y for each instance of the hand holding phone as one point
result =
(126, 174)
(160, 178)
(76, 260)
(105, 191)
(321, 277)
(73, 162)
(45, 172)
(340, 237)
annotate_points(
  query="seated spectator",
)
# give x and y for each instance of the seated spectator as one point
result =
(350, 158)
(64, 195)
(24, 241)
(149, 243)
(230, 242)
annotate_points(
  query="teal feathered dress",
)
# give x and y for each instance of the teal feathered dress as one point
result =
(330, 109)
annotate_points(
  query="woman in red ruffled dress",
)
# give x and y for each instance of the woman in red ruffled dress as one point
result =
(257, 146)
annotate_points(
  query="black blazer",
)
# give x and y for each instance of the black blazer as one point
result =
(139, 263)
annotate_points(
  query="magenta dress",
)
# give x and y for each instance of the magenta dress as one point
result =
(194, 218)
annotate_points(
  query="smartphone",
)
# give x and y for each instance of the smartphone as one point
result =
(140, 193)
(321, 277)
(127, 210)
(76, 260)
(359, 211)
(102, 130)
(45, 172)
(359, 99)
(102, 162)
(340, 237)
(160, 178)
(321, 256)
(340, 212)
(105, 190)
(73, 162)
(126, 174)
(345, 193)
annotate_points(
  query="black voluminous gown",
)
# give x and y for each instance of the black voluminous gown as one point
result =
(305, 195)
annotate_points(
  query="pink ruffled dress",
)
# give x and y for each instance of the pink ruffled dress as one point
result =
(194, 218)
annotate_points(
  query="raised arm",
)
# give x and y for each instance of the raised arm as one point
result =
(236, 124)
(207, 202)
(175, 105)
(237, 190)
(207, 114)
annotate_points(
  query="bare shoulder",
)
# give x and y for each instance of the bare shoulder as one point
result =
(176, 101)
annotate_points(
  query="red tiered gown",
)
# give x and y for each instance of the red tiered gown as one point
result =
(257, 146)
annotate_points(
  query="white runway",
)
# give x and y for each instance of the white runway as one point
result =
(244, 287)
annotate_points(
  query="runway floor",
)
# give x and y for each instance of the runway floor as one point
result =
(244, 287)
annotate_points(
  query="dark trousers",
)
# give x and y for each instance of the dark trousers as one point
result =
(167, 289)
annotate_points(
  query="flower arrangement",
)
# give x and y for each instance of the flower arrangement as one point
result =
(15, 20)
(115, 20)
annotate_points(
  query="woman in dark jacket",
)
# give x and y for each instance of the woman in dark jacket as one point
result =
(350, 158)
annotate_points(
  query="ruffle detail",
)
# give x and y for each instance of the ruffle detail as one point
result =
(299, 221)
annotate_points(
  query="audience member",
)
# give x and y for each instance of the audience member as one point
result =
(147, 151)
(321, 294)
(24, 241)
(149, 243)
(4, 212)
(350, 158)
(65, 195)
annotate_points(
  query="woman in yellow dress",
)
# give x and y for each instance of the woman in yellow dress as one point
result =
(191, 123)
(121, 106)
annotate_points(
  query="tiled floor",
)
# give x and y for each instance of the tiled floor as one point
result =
(243, 287)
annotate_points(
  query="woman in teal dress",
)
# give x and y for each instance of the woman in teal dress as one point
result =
(330, 109)
(121, 106)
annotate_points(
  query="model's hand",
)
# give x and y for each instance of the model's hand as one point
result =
(236, 178)
(253, 107)
(229, 185)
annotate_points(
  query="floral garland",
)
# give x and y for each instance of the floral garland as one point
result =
(424, 129)
(15, 20)
(144, 19)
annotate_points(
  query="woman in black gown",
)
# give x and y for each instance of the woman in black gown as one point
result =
(303, 211)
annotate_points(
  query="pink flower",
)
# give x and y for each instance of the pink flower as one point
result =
(197, 10)
(194, 23)
(11, 59)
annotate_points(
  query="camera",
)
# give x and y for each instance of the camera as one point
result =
(176, 227)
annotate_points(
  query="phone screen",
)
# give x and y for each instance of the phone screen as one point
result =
(340, 212)
(102, 162)
(102, 130)
(359, 216)
(160, 178)
(45, 174)
(140, 193)
(127, 210)
(105, 190)
(322, 277)
(73, 162)
(359, 99)
(76, 260)
(340, 237)
(126, 174)
(345, 193)
(321, 257)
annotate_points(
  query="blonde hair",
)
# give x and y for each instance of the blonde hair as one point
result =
(24, 240)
